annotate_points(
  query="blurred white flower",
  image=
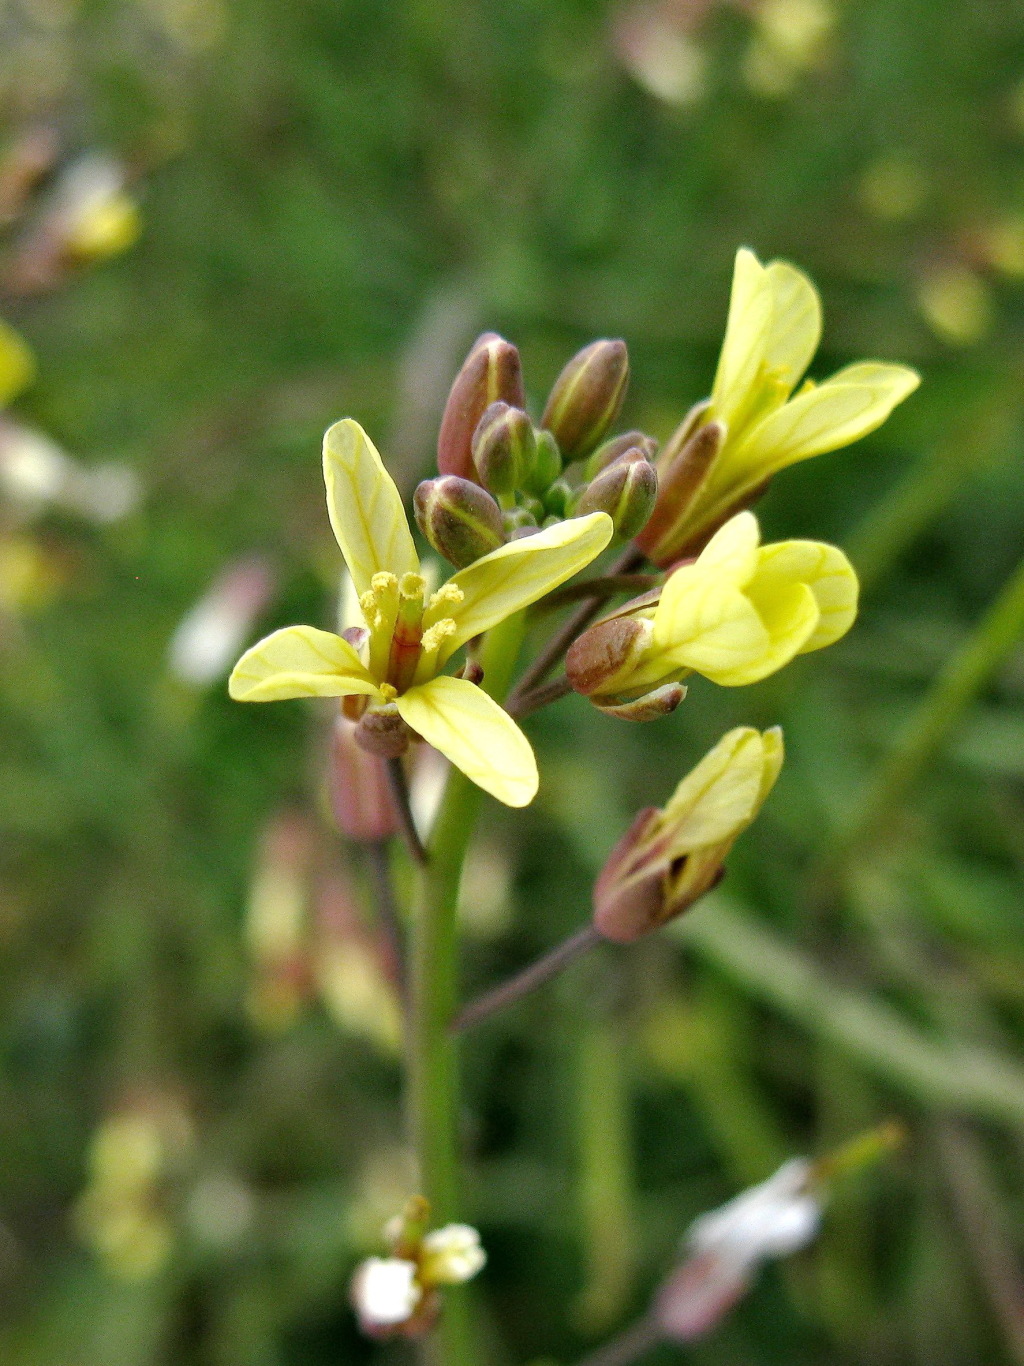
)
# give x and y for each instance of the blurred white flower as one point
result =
(776, 1218)
(213, 631)
(385, 1293)
(36, 474)
(451, 1255)
(655, 44)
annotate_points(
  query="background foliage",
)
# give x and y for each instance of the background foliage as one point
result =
(337, 196)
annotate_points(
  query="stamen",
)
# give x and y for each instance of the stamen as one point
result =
(380, 583)
(388, 692)
(434, 635)
(448, 593)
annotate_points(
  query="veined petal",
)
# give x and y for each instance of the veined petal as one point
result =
(789, 617)
(470, 729)
(746, 336)
(842, 410)
(519, 573)
(721, 795)
(707, 625)
(795, 329)
(17, 366)
(365, 507)
(827, 573)
(299, 661)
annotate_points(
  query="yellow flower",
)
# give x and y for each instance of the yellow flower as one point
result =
(17, 367)
(771, 336)
(411, 635)
(669, 858)
(737, 614)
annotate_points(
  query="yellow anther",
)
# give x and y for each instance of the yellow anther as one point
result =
(382, 582)
(447, 593)
(435, 634)
(388, 692)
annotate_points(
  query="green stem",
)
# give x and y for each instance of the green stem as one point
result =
(434, 968)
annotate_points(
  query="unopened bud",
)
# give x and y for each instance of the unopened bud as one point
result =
(587, 396)
(547, 464)
(358, 786)
(491, 371)
(627, 490)
(619, 445)
(460, 519)
(599, 655)
(669, 859)
(382, 731)
(650, 707)
(626, 907)
(518, 520)
(503, 449)
(561, 497)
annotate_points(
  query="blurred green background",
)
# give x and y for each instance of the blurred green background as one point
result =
(200, 1122)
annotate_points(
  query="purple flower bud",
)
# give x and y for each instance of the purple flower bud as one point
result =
(503, 449)
(587, 397)
(627, 490)
(460, 519)
(619, 445)
(491, 371)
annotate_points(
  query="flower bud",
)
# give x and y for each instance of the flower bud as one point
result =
(619, 445)
(491, 371)
(382, 731)
(518, 521)
(670, 858)
(547, 464)
(358, 787)
(627, 490)
(604, 652)
(460, 519)
(503, 449)
(587, 396)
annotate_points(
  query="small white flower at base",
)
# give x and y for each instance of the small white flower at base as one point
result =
(452, 1255)
(385, 1293)
(774, 1219)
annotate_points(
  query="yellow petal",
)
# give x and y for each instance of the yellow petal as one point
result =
(299, 661)
(746, 333)
(842, 410)
(17, 366)
(732, 551)
(722, 795)
(795, 329)
(707, 625)
(828, 574)
(469, 728)
(774, 753)
(519, 573)
(365, 507)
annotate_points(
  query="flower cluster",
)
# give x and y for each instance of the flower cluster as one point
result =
(398, 1295)
(519, 507)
